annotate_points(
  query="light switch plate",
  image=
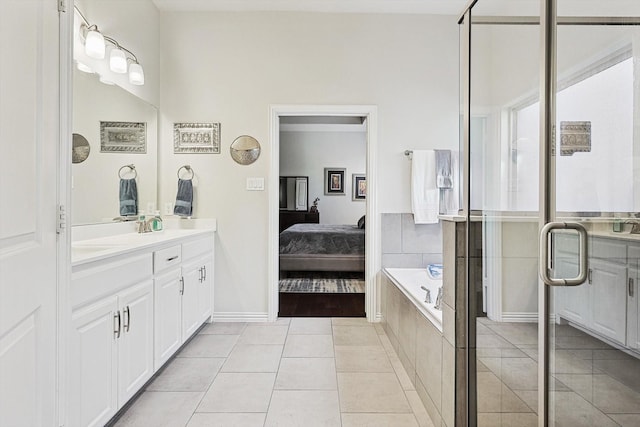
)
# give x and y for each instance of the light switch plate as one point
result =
(168, 208)
(255, 184)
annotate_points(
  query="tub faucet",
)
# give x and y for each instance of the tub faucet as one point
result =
(427, 297)
(438, 305)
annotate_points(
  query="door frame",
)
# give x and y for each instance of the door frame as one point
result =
(372, 234)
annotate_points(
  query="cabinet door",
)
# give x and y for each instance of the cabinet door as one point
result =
(93, 394)
(633, 309)
(205, 301)
(572, 302)
(167, 316)
(193, 278)
(135, 346)
(609, 299)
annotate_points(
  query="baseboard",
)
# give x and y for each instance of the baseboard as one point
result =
(521, 317)
(231, 316)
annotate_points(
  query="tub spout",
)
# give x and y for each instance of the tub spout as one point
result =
(427, 297)
(438, 305)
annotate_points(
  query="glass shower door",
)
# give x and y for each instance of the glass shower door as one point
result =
(565, 353)
(593, 359)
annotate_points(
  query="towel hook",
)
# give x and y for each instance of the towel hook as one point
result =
(188, 168)
(132, 168)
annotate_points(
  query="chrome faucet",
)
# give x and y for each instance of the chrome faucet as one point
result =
(427, 297)
(144, 226)
(438, 305)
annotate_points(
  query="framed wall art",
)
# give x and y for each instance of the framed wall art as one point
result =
(123, 137)
(334, 181)
(196, 138)
(358, 186)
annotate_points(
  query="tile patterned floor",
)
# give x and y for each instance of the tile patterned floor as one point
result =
(298, 372)
(595, 384)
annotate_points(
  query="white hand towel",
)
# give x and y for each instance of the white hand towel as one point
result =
(425, 196)
(451, 196)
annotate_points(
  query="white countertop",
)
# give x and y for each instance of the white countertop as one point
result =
(90, 250)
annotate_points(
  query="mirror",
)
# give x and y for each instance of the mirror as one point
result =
(294, 193)
(95, 181)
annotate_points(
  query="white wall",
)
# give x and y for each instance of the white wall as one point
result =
(230, 67)
(308, 153)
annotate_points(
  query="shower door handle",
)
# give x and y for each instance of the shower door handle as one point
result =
(582, 254)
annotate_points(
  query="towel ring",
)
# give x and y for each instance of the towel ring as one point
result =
(132, 168)
(188, 168)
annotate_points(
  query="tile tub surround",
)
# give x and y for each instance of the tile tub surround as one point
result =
(422, 350)
(300, 372)
(410, 281)
(407, 245)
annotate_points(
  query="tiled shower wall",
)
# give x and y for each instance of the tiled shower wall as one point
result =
(409, 245)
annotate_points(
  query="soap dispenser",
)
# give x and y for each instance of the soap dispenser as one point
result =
(157, 222)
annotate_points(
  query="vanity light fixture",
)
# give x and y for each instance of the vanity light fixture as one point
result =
(94, 45)
(121, 59)
(136, 74)
(118, 60)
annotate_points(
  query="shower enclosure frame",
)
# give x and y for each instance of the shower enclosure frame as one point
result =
(466, 373)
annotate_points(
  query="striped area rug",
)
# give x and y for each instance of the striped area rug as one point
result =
(310, 285)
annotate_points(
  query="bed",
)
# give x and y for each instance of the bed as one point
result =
(322, 247)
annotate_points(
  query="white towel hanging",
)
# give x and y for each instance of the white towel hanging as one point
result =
(425, 195)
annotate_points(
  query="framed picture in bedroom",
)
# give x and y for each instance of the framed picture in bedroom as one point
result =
(334, 181)
(359, 186)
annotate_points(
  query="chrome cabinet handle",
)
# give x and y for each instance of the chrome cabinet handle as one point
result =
(172, 258)
(201, 278)
(116, 320)
(544, 262)
(204, 268)
(631, 286)
(590, 276)
(127, 319)
(182, 286)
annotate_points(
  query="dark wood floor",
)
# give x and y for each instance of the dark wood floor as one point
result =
(321, 305)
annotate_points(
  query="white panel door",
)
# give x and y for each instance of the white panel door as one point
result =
(135, 346)
(29, 129)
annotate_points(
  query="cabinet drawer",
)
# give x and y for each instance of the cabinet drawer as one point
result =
(609, 250)
(108, 278)
(166, 258)
(634, 252)
(197, 247)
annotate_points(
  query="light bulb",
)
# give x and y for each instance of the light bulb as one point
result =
(94, 44)
(84, 67)
(118, 61)
(136, 74)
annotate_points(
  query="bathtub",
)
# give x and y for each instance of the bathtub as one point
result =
(409, 280)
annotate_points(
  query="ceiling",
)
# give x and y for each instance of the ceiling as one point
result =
(438, 7)
(435, 7)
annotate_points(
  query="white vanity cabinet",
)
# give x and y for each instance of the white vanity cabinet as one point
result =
(168, 315)
(184, 294)
(111, 340)
(604, 304)
(633, 309)
(131, 311)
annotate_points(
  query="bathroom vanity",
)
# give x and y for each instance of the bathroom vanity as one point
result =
(135, 300)
(607, 305)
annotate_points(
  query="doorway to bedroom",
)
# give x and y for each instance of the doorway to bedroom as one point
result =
(324, 192)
